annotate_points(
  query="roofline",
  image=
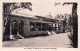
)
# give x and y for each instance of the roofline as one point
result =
(19, 16)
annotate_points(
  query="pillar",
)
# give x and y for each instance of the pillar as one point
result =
(11, 30)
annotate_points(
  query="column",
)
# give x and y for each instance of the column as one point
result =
(41, 26)
(55, 27)
(11, 30)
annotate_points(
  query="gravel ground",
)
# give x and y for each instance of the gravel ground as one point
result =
(56, 40)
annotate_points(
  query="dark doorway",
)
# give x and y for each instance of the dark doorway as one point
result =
(21, 25)
(14, 27)
(50, 27)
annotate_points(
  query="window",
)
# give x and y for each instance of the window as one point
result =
(56, 26)
(44, 27)
(32, 26)
(53, 25)
(38, 26)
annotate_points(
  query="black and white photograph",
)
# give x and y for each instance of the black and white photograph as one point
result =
(40, 24)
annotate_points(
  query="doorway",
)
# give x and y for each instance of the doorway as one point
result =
(21, 27)
(14, 27)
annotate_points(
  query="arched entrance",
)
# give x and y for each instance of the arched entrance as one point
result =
(21, 27)
(14, 27)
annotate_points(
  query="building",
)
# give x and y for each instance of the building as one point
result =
(27, 25)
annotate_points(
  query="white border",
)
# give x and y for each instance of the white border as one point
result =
(22, 48)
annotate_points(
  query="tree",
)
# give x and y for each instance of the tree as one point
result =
(73, 23)
(26, 5)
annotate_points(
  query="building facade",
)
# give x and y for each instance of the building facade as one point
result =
(28, 25)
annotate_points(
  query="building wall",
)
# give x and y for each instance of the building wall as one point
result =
(26, 26)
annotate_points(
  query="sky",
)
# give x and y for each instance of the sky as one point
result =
(43, 8)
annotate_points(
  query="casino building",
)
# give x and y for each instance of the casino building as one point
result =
(27, 25)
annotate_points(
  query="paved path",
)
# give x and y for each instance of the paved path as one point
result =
(55, 40)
